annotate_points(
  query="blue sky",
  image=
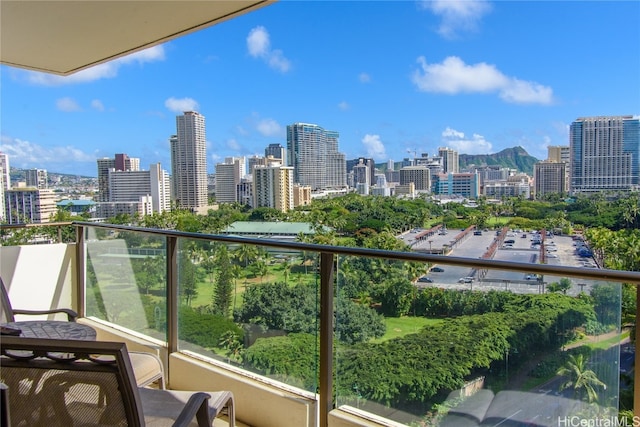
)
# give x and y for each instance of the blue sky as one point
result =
(392, 78)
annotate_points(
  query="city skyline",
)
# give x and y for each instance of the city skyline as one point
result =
(392, 78)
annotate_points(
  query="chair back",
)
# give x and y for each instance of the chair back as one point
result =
(69, 383)
(5, 419)
(6, 312)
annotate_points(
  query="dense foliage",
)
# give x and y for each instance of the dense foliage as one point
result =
(204, 329)
(277, 306)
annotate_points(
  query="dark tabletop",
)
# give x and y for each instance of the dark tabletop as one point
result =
(55, 329)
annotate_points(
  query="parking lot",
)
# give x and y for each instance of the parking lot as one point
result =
(560, 250)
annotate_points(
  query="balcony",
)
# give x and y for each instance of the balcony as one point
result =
(485, 352)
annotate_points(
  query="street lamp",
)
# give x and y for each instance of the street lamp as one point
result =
(430, 242)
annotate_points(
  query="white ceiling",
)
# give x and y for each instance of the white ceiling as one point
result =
(63, 37)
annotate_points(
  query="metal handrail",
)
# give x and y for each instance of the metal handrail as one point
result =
(632, 277)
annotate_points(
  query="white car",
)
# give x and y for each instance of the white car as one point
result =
(552, 256)
(467, 279)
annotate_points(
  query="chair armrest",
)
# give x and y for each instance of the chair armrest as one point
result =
(197, 406)
(71, 315)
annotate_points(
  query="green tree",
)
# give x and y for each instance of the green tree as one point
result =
(223, 289)
(187, 277)
(582, 380)
(357, 323)
(563, 286)
(232, 345)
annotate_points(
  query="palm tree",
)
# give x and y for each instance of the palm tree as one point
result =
(580, 378)
(246, 254)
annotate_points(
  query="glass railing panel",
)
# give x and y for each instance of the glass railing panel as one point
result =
(126, 280)
(458, 349)
(252, 307)
(31, 234)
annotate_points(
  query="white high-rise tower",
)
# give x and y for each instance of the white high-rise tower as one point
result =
(189, 161)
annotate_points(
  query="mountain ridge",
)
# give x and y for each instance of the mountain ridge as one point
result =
(514, 158)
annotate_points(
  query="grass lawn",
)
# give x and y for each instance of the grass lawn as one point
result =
(401, 326)
(605, 344)
(498, 222)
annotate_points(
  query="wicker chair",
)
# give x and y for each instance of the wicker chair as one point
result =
(81, 383)
(147, 367)
(4, 406)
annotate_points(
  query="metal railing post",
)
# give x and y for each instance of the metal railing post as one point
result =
(80, 276)
(326, 336)
(172, 294)
(636, 372)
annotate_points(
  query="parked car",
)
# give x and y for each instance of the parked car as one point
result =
(530, 277)
(425, 279)
(437, 269)
(467, 279)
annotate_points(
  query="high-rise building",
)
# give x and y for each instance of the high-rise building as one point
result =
(120, 162)
(5, 179)
(301, 195)
(228, 176)
(420, 176)
(559, 153)
(278, 152)
(450, 163)
(605, 154)
(273, 187)
(313, 153)
(364, 170)
(5, 183)
(500, 189)
(549, 177)
(189, 161)
(131, 186)
(37, 178)
(29, 205)
(459, 184)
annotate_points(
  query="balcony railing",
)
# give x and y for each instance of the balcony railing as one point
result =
(211, 297)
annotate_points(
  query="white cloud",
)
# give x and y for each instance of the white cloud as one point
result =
(269, 127)
(258, 42)
(457, 140)
(96, 104)
(364, 78)
(344, 105)
(242, 131)
(26, 154)
(259, 46)
(453, 76)
(457, 15)
(107, 70)
(521, 92)
(233, 144)
(180, 105)
(374, 146)
(67, 105)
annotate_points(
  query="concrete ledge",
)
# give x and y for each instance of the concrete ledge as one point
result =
(347, 416)
(257, 403)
